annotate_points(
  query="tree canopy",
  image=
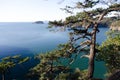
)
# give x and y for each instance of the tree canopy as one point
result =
(109, 52)
(84, 25)
(9, 62)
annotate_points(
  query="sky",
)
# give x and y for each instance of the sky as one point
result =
(31, 10)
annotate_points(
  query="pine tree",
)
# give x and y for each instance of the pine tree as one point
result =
(9, 62)
(85, 25)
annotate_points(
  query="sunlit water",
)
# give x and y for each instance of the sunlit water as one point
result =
(29, 39)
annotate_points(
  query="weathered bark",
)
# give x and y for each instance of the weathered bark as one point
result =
(93, 43)
(92, 53)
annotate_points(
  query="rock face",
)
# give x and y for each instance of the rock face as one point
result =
(115, 25)
(115, 28)
(39, 22)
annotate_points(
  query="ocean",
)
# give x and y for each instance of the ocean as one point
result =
(29, 39)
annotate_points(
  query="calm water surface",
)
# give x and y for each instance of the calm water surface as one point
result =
(29, 39)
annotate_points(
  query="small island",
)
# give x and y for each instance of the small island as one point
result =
(39, 22)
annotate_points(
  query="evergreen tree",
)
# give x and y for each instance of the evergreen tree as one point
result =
(85, 25)
(110, 52)
(55, 65)
(9, 62)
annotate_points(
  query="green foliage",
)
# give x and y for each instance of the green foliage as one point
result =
(5, 65)
(71, 19)
(55, 65)
(83, 26)
(49, 66)
(22, 60)
(56, 23)
(112, 34)
(9, 62)
(76, 75)
(115, 5)
(110, 53)
(83, 15)
(87, 4)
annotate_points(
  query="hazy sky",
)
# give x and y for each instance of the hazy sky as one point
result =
(31, 10)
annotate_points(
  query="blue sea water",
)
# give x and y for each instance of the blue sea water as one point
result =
(33, 37)
(29, 39)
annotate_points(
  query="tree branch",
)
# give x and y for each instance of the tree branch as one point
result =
(107, 11)
(85, 56)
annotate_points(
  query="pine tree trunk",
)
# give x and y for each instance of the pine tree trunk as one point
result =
(91, 62)
(3, 76)
(92, 54)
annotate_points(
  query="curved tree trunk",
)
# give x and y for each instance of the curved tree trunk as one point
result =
(92, 53)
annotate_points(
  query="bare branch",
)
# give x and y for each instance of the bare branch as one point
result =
(83, 36)
(87, 42)
(107, 11)
(85, 56)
